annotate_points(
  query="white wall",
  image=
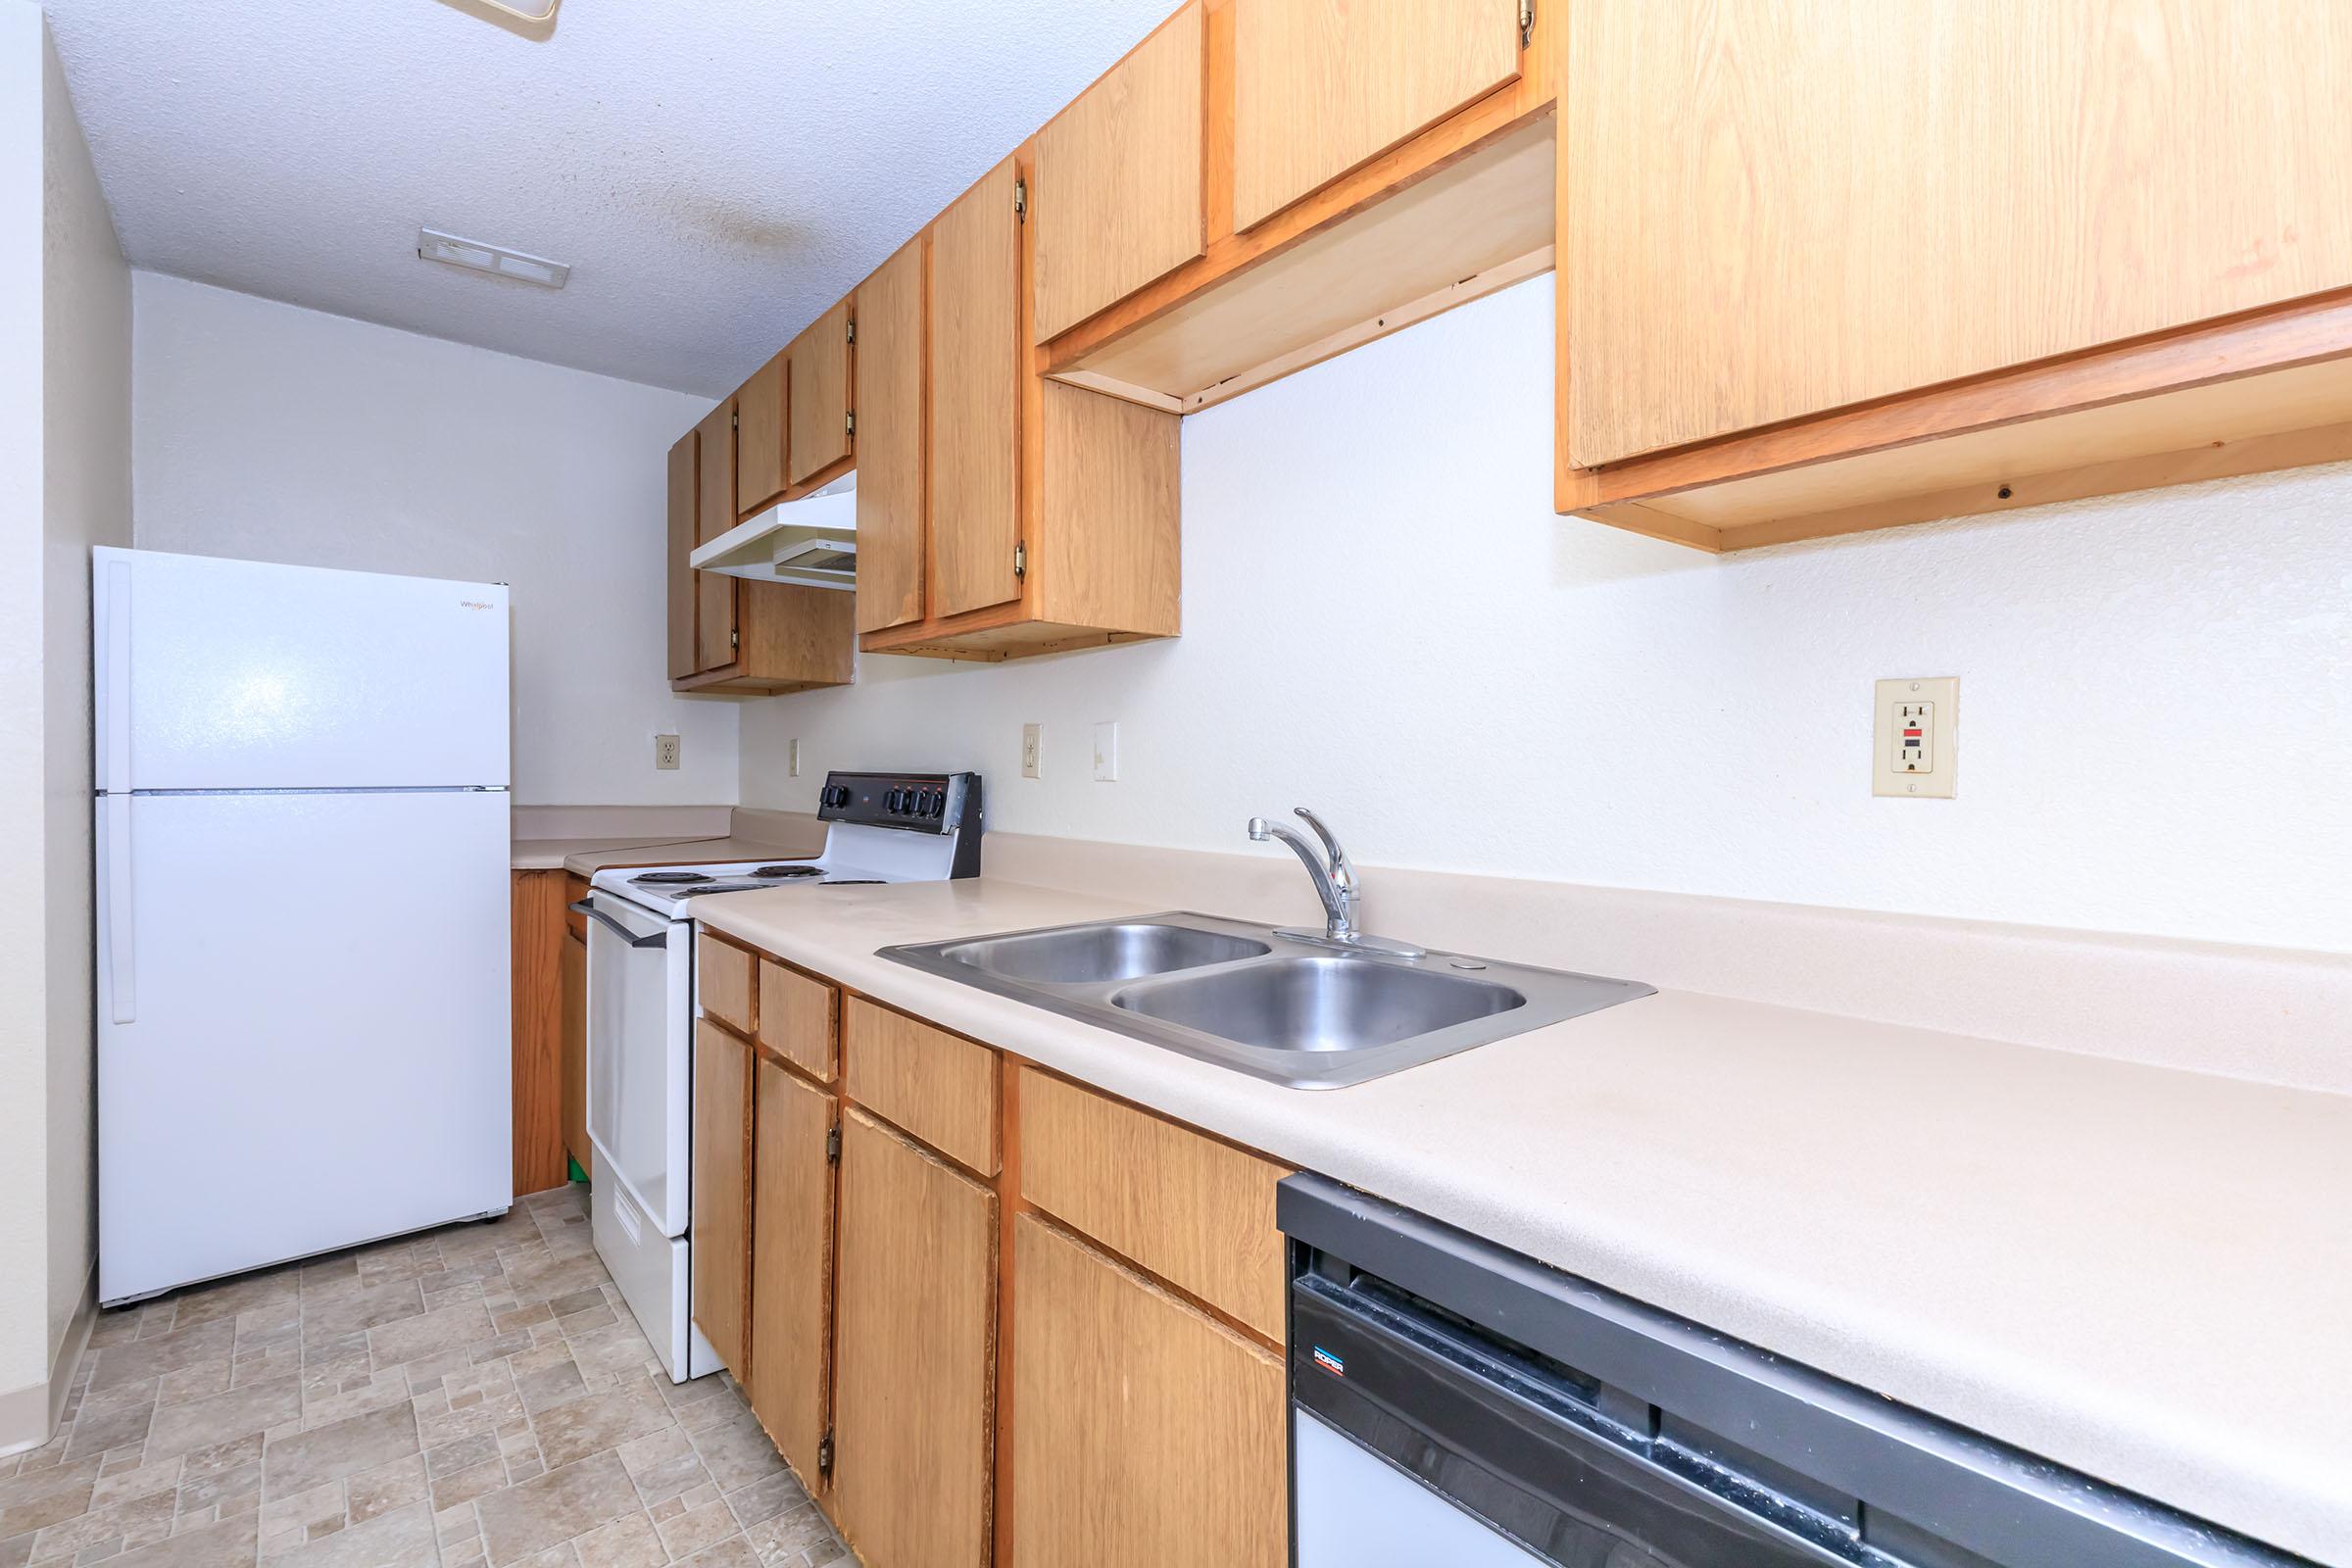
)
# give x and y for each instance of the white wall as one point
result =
(64, 485)
(1384, 619)
(274, 433)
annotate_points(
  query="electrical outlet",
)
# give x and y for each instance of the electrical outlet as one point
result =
(1107, 753)
(665, 752)
(791, 758)
(1914, 745)
(1032, 743)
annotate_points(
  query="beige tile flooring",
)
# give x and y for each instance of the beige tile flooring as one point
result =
(477, 1394)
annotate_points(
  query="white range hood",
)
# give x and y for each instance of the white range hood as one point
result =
(812, 541)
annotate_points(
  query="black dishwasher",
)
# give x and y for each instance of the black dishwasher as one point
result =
(1457, 1405)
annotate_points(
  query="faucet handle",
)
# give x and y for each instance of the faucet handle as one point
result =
(1342, 869)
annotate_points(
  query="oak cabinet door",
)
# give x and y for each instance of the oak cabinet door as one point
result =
(714, 514)
(1117, 201)
(1319, 87)
(759, 438)
(890, 441)
(1143, 1431)
(574, 982)
(817, 367)
(723, 1085)
(975, 394)
(684, 526)
(791, 1266)
(915, 1355)
(1779, 210)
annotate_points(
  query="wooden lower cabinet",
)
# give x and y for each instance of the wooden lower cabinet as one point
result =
(1143, 1431)
(722, 1085)
(536, 1083)
(791, 1266)
(914, 1380)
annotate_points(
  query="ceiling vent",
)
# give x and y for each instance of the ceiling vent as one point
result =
(525, 10)
(472, 254)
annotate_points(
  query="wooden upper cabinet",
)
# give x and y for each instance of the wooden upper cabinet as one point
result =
(1319, 89)
(1774, 211)
(976, 372)
(759, 438)
(791, 1266)
(915, 1356)
(1117, 199)
(684, 535)
(1143, 1431)
(817, 368)
(890, 441)
(714, 594)
(722, 1205)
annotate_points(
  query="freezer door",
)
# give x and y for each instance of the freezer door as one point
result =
(236, 674)
(303, 1026)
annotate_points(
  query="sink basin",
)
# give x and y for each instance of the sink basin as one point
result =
(1277, 1005)
(1089, 955)
(1336, 1003)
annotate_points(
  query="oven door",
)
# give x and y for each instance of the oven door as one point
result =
(640, 991)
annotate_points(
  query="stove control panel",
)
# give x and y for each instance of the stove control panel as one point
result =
(918, 803)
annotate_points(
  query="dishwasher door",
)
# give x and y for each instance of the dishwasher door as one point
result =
(1357, 1511)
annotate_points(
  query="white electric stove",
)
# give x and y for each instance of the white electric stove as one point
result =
(880, 827)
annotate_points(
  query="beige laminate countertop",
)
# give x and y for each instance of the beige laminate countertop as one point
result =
(548, 855)
(2140, 1272)
(587, 856)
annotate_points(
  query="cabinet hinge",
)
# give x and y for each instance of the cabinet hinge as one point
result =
(1020, 198)
(1527, 23)
(734, 422)
(1021, 558)
(849, 423)
(852, 328)
(734, 638)
(824, 1454)
(833, 1145)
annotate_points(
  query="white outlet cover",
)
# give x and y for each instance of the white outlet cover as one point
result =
(665, 753)
(1914, 746)
(791, 758)
(1107, 753)
(1033, 745)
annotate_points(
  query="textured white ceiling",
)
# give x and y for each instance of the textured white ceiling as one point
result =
(716, 172)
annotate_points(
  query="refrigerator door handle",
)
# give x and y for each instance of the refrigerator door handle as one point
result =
(122, 967)
(659, 938)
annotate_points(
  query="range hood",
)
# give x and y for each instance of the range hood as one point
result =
(813, 540)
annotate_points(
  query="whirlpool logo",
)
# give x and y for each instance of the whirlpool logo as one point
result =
(474, 603)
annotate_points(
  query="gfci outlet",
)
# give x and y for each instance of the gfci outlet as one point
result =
(1107, 753)
(665, 752)
(1033, 741)
(1914, 738)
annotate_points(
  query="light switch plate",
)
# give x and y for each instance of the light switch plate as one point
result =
(791, 758)
(1914, 749)
(1107, 753)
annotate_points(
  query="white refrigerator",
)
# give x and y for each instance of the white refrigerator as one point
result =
(302, 911)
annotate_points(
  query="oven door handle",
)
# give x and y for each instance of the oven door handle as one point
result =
(659, 938)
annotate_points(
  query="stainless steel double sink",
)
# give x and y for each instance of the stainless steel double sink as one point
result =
(1287, 1007)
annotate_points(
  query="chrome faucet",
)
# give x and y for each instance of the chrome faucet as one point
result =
(1336, 884)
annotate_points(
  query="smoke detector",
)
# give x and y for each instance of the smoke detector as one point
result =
(434, 246)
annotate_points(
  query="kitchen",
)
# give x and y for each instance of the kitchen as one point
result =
(1694, 1120)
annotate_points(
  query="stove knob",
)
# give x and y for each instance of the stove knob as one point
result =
(922, 802)
(939, 802)
(894, 802)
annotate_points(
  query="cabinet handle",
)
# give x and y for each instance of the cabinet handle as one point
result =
(659, 938)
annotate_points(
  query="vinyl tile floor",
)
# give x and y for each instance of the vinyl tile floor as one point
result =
(477, 1394)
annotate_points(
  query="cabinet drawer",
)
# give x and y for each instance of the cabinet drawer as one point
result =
(927, 1082)
(1194, 1211)
(1114, 1378)
(722, 982)
(796, 1018)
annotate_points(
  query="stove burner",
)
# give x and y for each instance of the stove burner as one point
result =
(672, 878)
(777, 873)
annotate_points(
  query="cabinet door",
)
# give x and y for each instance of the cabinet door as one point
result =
(889, 442)
(817, 366)
(1143, 1431)
(574, 980)
(1319, 89)
(915, 1355)
(1117, 199)
(759, 438)
(792, 1265)
(714, 512)
(1779, 210)
(975, 391)
(722, 1088)
(684, 535)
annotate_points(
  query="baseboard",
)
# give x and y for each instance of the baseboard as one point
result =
(29, 1416)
